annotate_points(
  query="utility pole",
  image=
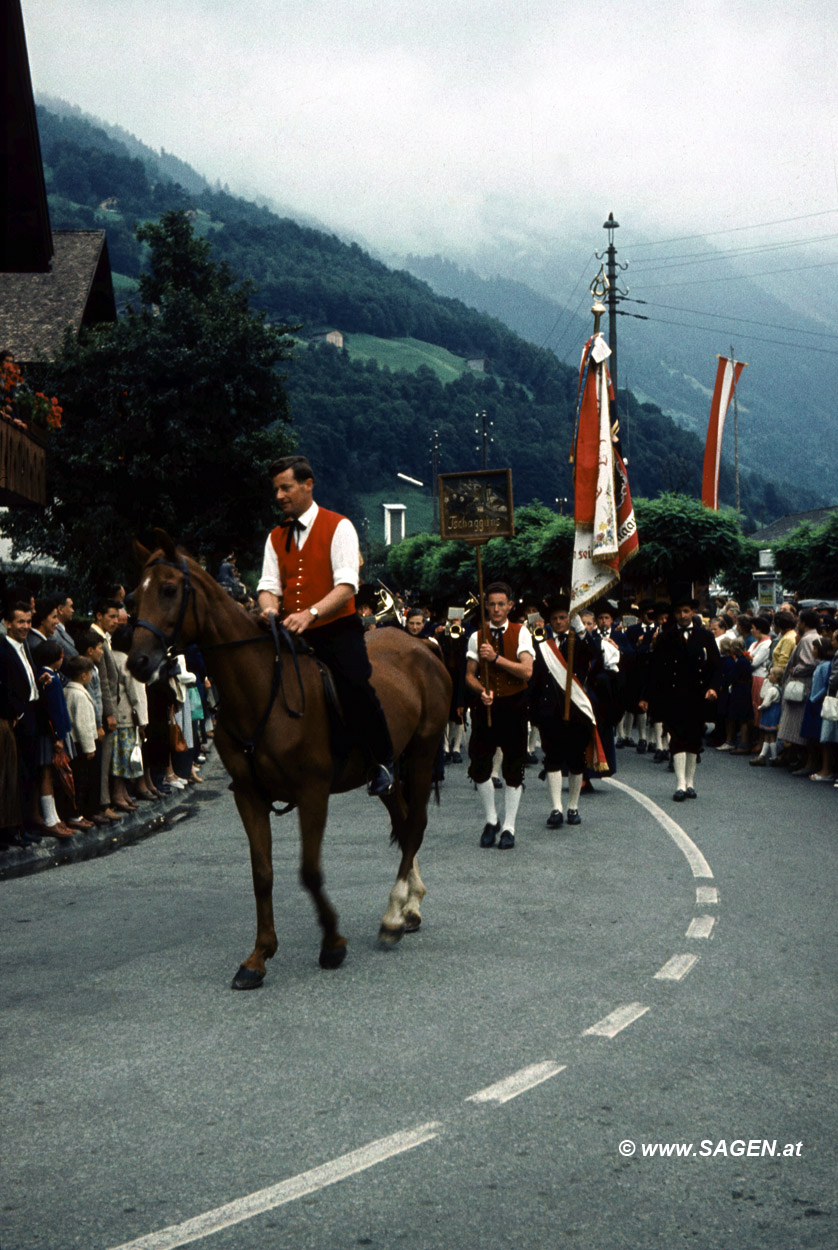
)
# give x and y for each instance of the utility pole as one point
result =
(482, 432)
(613, 294)
(434, 475)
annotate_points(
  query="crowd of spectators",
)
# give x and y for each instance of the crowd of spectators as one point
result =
(81, 742)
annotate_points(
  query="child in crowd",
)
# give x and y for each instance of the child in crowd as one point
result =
(84, 719)
(56, 731)
(770, 706)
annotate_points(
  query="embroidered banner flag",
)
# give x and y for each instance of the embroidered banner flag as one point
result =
(727, 375)
(606, 532)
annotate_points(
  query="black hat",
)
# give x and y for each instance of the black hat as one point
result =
(603, 605)
(646, 605)
(683, 598)
(558, 603)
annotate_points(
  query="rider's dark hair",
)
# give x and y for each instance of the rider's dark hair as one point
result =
(299, 465)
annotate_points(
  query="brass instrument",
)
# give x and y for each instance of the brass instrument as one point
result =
(390, 606)
(455, 628)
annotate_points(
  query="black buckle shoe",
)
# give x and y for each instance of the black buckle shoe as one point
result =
(573, 817)
(690, 793)
(679, 796)
(555, 820)
(489, 834)
(507, 841)
(379, 781)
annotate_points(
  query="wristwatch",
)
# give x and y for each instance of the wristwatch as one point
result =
(314, 612)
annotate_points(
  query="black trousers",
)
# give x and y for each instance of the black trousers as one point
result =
(342, 646)
(564, 744)
(508, 731)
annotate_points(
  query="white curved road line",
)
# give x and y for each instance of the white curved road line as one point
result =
(286, 1191)
(700, 927)
(685, 844)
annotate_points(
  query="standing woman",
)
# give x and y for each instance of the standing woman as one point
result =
(131, 720)
(797, 686)
(759, 653)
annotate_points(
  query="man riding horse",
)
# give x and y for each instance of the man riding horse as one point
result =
(311, 570)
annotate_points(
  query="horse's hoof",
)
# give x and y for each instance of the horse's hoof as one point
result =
(390, 937)
(247, 979)
(332, 958)
(412, 923)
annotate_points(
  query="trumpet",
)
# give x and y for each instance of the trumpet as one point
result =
(455, 627)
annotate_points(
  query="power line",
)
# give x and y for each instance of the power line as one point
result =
(768, 325)
(754, 338)
(704, 258)
(742, 277)
(760, 225)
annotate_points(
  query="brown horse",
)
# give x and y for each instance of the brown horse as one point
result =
(289, 758)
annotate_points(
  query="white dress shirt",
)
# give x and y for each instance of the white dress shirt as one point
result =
(24, 659)
(345, 553)
(525, 646)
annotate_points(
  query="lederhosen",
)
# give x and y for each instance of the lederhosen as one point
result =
(508, 729)
(564, 742)
(340, 642)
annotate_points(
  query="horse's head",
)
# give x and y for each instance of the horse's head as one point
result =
(164, 597)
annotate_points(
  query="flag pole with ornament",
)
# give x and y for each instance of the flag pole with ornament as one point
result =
(606, 532)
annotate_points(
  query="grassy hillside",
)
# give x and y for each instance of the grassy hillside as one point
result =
(408, 354)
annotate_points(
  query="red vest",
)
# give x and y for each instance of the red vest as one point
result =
(501, 682)
(307, 575)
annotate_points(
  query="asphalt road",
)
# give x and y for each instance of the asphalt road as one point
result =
(140, 1093)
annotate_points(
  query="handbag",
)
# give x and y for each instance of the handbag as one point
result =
(136, 757)
(62, 766)
(177, 742)
(829, 710)
(795, 691)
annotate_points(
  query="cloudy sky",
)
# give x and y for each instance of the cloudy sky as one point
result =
(427, 124)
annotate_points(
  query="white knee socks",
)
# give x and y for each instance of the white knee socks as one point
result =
(554, 783)
(487, 797)
(641, 725)
(679, 763)
(692, 760)
(513, 798)
(574, 789)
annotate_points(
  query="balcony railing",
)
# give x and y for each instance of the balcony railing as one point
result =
(23, 477)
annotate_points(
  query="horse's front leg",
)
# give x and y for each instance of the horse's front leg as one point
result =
(313, 809)
(256, 818)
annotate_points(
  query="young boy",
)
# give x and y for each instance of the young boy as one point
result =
(80, 671)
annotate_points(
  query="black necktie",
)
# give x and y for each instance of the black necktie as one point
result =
(498, 637)
(295, 529)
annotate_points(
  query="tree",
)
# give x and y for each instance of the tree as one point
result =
(682, 541)
(807, 559)
(170, 417)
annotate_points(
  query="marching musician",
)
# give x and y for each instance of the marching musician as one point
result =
(505, 653)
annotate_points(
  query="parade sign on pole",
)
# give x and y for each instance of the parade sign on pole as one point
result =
(475, 507)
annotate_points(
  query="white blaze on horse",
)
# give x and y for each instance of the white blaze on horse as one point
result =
(273, 735)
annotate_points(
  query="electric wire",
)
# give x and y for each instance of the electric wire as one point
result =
(754, 338)
(760, 225)
(767, 325)
(706, 258)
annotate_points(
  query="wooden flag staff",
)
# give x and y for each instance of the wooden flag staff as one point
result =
(475, 507)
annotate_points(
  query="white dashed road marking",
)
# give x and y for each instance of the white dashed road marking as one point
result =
(701, 926)
(518, 1083)
(676, 968)
(617, 1021)
(384, 1148)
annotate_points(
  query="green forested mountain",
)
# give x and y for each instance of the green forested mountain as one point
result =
(360, 422)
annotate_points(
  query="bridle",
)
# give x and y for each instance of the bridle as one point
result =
(170, 642)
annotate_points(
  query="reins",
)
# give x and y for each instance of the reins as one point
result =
(279, 634)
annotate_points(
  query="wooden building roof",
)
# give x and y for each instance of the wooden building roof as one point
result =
(76, 291)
